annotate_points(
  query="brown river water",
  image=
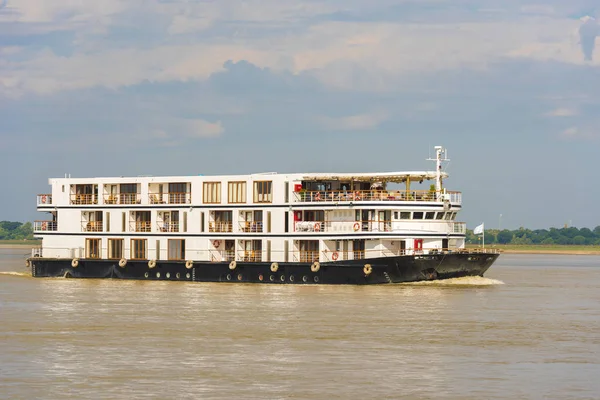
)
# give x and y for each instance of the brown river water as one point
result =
(529, 329)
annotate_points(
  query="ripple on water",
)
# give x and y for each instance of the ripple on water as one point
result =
(464, 281)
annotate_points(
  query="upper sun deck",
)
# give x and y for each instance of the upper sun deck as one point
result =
(247, 189)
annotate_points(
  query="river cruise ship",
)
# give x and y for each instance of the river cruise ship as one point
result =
(311, 228)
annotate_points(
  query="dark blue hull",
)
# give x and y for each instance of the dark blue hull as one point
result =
(354, 272)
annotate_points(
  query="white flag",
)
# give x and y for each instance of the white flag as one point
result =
(478, 230)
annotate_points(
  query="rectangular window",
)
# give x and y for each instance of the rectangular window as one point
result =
(404, 214)
(185, 221)
(448, 216)
(268, 250)
(123, 222)
(115, 248)
(286, 251)
(236, 192)
(107, 222)
(138, 249)
(202, 222)
(395, 214)
(176, 249)
(263, 192)
(286, 226)
(212, 192)
(439, 215)
(158, 249)
(429, 215)
(287, 192)
(418, 215)
(92, 248)
(269, 221)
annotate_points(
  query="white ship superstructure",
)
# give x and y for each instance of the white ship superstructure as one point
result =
(267, 217)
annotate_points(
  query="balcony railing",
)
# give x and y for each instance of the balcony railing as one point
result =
(217, 226)
(140, 226)
(250, 256)
(84, 199)
(254, 226)
(170, 198)
(44, 226)
(336, 226)
(168, 226)
(306, 256)
(91, 226)
(375, 195)
(44, 199)
(222, 255)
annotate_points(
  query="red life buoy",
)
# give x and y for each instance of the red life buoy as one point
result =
(216, 243)
(44, 226)
(317, 227)
(318, 196)
(44, 199)
(334, 256)
(357, 195)
(356, 226)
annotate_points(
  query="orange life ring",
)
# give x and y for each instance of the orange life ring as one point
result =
(44, 199)
(334, 256)
(356, 226)
(216, 243)
(318, 196)
(357, 195)
(44, 226)
(317, 227)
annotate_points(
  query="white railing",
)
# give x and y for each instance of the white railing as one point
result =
(167, 227)
(91, 226)
(44, 226)
(141, 226)
(374, 195)
(222, 255)
(44, 199)
(251, 226)
(170, 198)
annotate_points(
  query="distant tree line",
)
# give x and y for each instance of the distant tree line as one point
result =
(15, 230)
(562, 236)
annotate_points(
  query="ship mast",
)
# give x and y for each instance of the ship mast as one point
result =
(440, 155)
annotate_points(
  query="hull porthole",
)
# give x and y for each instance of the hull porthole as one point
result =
(177, 275)
(239, 277)
(187, 275)
(146, 275)
(291, 278)
(260, 277)
(316, 279)
(158, 274)
(228, 277)
(282, 278)
(167, 275)
(272, 278)
(305, 278)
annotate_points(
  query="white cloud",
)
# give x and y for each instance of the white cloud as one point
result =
(562, 112)
(364, 121)
(580, 133)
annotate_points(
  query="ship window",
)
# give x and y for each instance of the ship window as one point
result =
(448, 216)
(177, 249)
(115, 248)
(429, 215)
(236, 192)
(212, 192)
(418, 215)
(439, 215)
(92, 248)
(263, 192)
(453, 216)
(138, 249)
(395, 214)
(404, 214)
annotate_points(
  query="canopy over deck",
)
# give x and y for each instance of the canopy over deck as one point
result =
(396, 177)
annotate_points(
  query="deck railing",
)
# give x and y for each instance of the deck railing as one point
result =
(44, 226)
(222, 255)
(216, 226)
(250, 256)
(84, 199)
(375, 195)
(170, 198)
(91, 226)
(168, 226)
(306, 256)
(44, 199)
(251, 226)
(140, 226)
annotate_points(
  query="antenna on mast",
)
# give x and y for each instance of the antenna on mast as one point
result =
(440, 155)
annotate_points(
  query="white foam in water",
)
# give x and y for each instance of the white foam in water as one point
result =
(464, 281)
(14, 273)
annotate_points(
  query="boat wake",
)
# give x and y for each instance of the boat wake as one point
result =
(464, 281)
(15, 273)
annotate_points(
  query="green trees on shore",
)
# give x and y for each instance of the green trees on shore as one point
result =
(552, 236)
(15, 230)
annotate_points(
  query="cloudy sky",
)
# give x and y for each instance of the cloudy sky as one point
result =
(170, 87)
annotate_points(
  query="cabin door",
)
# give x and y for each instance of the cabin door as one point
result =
(444, 244)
